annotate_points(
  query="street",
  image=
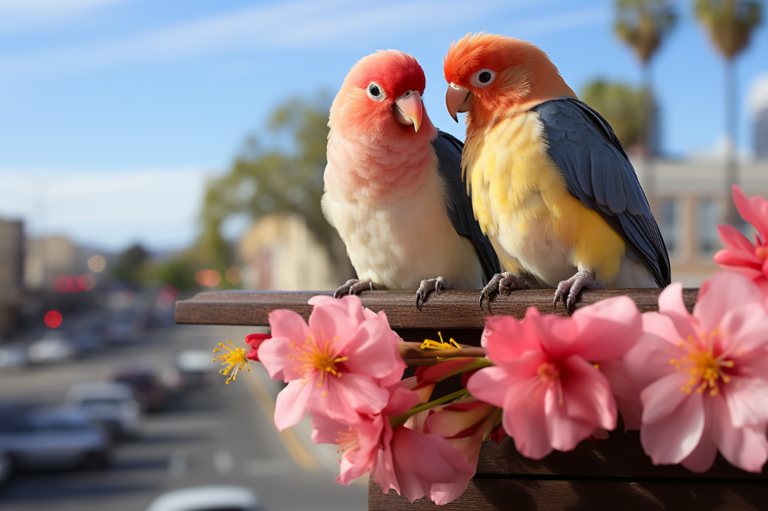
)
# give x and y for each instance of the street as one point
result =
(222, 436)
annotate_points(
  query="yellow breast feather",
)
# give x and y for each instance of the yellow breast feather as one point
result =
(517, 186)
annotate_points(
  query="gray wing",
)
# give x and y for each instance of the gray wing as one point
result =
(459, 205)
(599, 174)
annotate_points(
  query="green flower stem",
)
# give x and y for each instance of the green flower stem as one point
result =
(399, 420)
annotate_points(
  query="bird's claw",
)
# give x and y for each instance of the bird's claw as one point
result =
(504, 283)
(353, 287)
(427, 285)
(568, 290)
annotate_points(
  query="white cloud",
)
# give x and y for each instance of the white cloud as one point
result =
(293, 25)
(565, 21)
(17, 15)
(758, 93)
(157, 207)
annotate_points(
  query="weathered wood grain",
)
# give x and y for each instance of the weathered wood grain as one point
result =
(556, 494)
(453, 309)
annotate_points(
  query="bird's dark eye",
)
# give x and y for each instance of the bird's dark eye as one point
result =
(483, 78)
(375, 92)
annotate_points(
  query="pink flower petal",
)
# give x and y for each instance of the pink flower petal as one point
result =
(745, 447)
(490, 384)
(607, 329)
(558, 336)
(587, 394)
(663, 397)
(287, 327)
(732, 259)
(626, 395)
(671, 305)
(747, 400)
(524, 419)
(292, 404)
(754, 210)
(372, 350)
(745, 329)
(505, 339)
(734, 239)
(564, 432)
(336, 320)
(649, 360)
(703, 456)
(349, 395)
(727, 290)
(673, 438)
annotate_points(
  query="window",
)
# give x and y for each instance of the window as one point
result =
(669, 220)
(709, 217)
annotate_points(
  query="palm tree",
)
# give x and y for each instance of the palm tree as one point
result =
(644, 25)
(730, 24)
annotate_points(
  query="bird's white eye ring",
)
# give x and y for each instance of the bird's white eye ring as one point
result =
(483, 78)
(375, 92)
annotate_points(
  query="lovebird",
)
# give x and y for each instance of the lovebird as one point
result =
(551, 185)
(393, 187)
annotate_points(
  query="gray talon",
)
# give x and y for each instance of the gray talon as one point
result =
(504, 283)
(427, 285)
(568, 290)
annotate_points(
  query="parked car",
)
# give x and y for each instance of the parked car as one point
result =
(54, 439)
(53, 346)
(148, 391)
(111, 405)
(197, 369)
(207, 498)
(6, 466)
(13, 356)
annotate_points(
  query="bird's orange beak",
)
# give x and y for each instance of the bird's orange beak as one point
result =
(457, 99)
(408, 109)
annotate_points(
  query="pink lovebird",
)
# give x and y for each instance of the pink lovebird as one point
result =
(704, 377)
(393, 187)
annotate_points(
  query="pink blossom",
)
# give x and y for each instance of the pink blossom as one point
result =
(552, 395)
(255, 340)
(740, 255)
(337, 365)
(704, 377)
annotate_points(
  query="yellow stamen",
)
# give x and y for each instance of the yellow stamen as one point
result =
(234, 358)
(319, 357)
(429, 344)
(705, 370)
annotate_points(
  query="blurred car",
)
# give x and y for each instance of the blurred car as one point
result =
(89, 340)
(13, 355)
(208, 498)
(197, 370)
(121, 329)
(53, 346)
(48, 439)
(110, 405)
(148, 391)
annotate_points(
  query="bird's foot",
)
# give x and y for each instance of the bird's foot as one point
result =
(504, 283)
(353, 287)
(568, 290)
(428, 285)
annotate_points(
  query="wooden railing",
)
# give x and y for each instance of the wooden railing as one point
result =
(607, 474)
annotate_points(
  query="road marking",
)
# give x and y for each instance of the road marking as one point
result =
(223, 462)
(177, 465)
(296, 450)
(268, 467)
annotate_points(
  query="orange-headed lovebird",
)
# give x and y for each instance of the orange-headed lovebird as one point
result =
(393, 186)
(550, 183)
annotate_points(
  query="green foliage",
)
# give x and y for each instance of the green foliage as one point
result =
(179, 271)
(623, 106)
(276, 180)
(729, 23)
(644, 24)
(131, 266)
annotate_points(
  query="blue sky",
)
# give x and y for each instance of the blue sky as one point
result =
(113, 112)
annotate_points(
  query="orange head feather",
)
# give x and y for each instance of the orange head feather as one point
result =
(503, 75)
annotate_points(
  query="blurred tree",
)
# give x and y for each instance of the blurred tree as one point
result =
(623, 106)
(730, 24)
(644, 25)
(178, 271)
(131, 266)
(287, 180)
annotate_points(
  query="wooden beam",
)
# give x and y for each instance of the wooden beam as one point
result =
(453, 309)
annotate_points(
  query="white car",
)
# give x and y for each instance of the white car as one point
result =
(52, 347)
(46, 439)
(207, 498)
(111, 405)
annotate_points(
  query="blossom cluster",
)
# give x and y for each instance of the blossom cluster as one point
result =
(694, 384)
